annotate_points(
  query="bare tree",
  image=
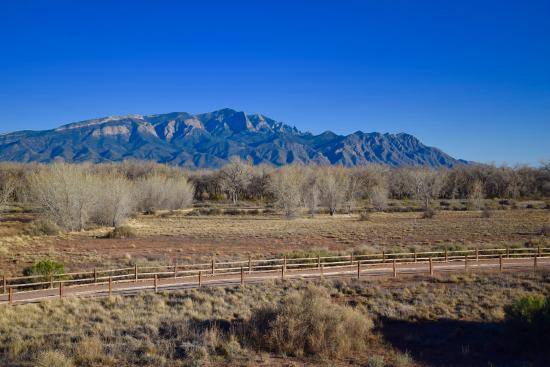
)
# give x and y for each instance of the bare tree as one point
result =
(235, 177)
(476, 196)
(7, 188)
(67, 194)
(114, 202)
(310, 190)
(286, 185)
(333, 182)
(379, 197)
(159, 192)
(427, 185)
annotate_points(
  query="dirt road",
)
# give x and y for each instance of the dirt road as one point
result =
(128, 287)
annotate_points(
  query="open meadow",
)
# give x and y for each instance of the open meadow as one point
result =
(178, 236)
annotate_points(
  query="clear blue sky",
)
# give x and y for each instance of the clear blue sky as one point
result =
(471, 77)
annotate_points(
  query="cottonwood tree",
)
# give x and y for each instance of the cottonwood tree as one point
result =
(427, 184)
(114, 202)
(286, 185)
(235, 177)
(310, 190)
(7, 188)
(333, 182)
(476, 195)
(67, 194)
(378, 197)
(260, 182)
(160, 192)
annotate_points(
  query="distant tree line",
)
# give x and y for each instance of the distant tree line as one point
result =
(75, 196)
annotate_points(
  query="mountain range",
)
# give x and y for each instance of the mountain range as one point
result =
(209, 140)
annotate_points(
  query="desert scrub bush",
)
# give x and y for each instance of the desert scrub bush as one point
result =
(429, 213)
(45, 267)
(528, 310)
(529, 318)
(308, 323)
(53, 359)
(486, 213)
(42, 227)
(121, 232)
(545, 231)
(364, 216)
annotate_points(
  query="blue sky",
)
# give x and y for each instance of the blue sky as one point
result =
(470, 77)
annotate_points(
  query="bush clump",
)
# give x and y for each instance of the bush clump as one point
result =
(309, 323)
(545, 231)
(42, 227)
(45, 267)
(530, 317)
(53, 358)
(364, 216)
(121, 232)
(486, 213)
(429, 213)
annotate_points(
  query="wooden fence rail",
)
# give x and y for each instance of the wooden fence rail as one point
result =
(322, 264)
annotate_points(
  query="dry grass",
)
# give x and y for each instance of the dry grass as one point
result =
(165, 239)
(214, 326)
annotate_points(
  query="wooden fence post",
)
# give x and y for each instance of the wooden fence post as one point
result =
(351, 260)
(477, 255)
(110, 286)
(446, 255)
(213, 267)
(60, 289)
(4, 284)
(175, 271)
(242, 276)
(322, 271)
(431, 267)
(200, 278)
(51, 281)
(10, 295)
(535, 264)
(156, 282)
(95, 275)
(466, 262)
(318, 261)
(284, 262)
(394, 268)
(249, 264)
(383, 257)
(135, 273)
(283, 271)
(415, 255)
(358, 269)
(538, 250)
(507, 252)
(500, 263)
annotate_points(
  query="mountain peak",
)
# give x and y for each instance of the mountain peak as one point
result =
(210, 139)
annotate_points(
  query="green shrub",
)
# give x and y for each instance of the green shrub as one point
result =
(527, 310)
(121, 232)
(309, 323)
(42, 227)
(45, 267)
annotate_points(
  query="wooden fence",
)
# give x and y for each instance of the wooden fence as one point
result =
(242, 269)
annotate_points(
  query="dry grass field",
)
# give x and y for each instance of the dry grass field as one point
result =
(452, 320)
(177, 236)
